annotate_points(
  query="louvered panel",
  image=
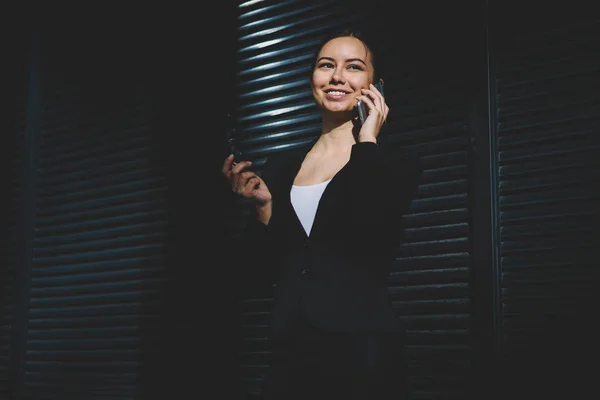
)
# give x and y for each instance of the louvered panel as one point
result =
(549, 113)
(10, 251)
(430, 282)
(99, 245)
(275, 45)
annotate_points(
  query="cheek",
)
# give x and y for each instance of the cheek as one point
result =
(360, 83)
(315, 94)
(317, 80)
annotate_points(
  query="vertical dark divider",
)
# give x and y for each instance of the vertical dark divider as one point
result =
(23, 272)
(485, 276)
(16, 86)
(191, 86)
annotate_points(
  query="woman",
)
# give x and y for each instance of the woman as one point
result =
(327, 223)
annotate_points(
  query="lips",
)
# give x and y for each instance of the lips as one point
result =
(336, 94)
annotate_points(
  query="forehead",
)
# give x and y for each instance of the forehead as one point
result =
(344, 48)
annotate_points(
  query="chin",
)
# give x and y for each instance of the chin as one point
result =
(339, 108)
(340, 115)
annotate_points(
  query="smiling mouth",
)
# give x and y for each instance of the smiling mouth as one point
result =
(335, 94)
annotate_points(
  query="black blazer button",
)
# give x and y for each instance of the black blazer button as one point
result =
(304, 271)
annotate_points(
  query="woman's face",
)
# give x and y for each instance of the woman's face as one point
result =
(343, 67)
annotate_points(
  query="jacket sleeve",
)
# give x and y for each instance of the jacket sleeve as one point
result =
(251, 248)
(382, 187)
(255, 230)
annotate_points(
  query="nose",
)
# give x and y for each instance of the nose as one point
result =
(337, 77)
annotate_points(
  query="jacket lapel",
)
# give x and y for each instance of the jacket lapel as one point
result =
(284, 210)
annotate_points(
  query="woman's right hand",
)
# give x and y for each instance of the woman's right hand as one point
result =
(246, 183)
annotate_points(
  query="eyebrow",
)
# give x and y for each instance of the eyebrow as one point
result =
(348, 60)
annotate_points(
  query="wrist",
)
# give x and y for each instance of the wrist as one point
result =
(263, 212)
(370, 139)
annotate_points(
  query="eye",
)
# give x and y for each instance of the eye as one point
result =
(325, 65)
(355, 67)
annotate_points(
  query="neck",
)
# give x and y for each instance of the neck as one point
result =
(336, 136)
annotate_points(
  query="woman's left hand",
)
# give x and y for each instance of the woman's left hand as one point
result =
(378, 111)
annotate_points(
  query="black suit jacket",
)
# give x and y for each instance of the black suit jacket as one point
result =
(337, 276)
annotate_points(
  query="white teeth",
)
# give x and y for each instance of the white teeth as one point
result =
(335, 93)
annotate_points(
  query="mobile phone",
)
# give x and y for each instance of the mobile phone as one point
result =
(363, 109)
(232, 141)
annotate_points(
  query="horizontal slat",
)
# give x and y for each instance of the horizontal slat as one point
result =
(97, 333)
(109, 266)
(70, 187)
(428, 277)
(435, 246)
(424, 292)
(68, 390)
(110, 171)
(103, 218)
(434, 218)
(438, 204)
(90, 236)
(435, 261)
(61, 376)
(49, 198)
(72, 287)
(115, 315)
(79, 351)
(119, 202)
(66, 162)
(145, 252)
(74, 131)
(87, 248)
(437, 232)
(115, 367)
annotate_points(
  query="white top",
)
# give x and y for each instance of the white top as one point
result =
(305, 200)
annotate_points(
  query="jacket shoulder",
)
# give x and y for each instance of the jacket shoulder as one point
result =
(278, 163)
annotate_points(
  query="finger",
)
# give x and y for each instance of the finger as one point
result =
(239, 177)
(237, 168)
(375, 91)
(379, 102)
(244, 180)
(247, 175)
(227, 165)
(251, 186)
(378, 96)
(366, 99)
(254, 183)
(373, 108)
(375, 98)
